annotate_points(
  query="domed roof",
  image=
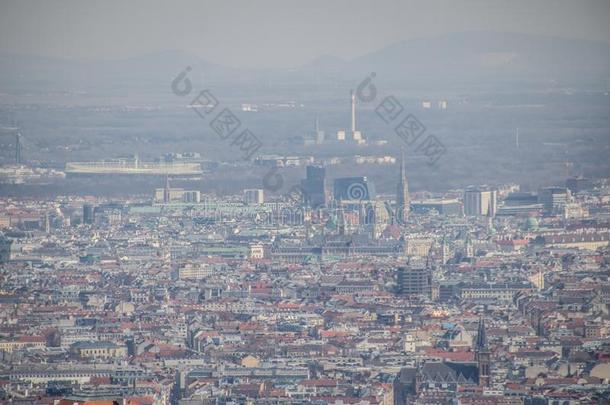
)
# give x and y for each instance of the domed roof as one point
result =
(331, 223)
(532, 223)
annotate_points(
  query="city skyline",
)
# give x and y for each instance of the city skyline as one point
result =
(304, 202)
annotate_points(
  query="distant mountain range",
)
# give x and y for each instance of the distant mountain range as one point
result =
(464, 59)
(483, 57)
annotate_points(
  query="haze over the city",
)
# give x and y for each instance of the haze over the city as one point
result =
(304, 202)
(273, 33)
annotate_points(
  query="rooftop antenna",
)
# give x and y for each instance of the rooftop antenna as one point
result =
(517, 138)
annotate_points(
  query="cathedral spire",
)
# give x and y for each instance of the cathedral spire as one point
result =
(483, 355)
(481, 335)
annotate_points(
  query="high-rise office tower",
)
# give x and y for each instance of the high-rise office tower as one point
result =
(88, 214)
(254, 196)
(319, 133)
(353, 188)
(578, 184)
(402, 193)
(480, 202)
(554, 199)
(314, 186)
(414, 280)
(191, 196)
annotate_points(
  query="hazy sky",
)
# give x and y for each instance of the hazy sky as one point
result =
(279, 33)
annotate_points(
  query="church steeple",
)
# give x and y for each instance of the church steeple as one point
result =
(481, 335)
(483, 354)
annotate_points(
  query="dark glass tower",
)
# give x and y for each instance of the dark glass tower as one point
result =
(88, 214)
(314, 187)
